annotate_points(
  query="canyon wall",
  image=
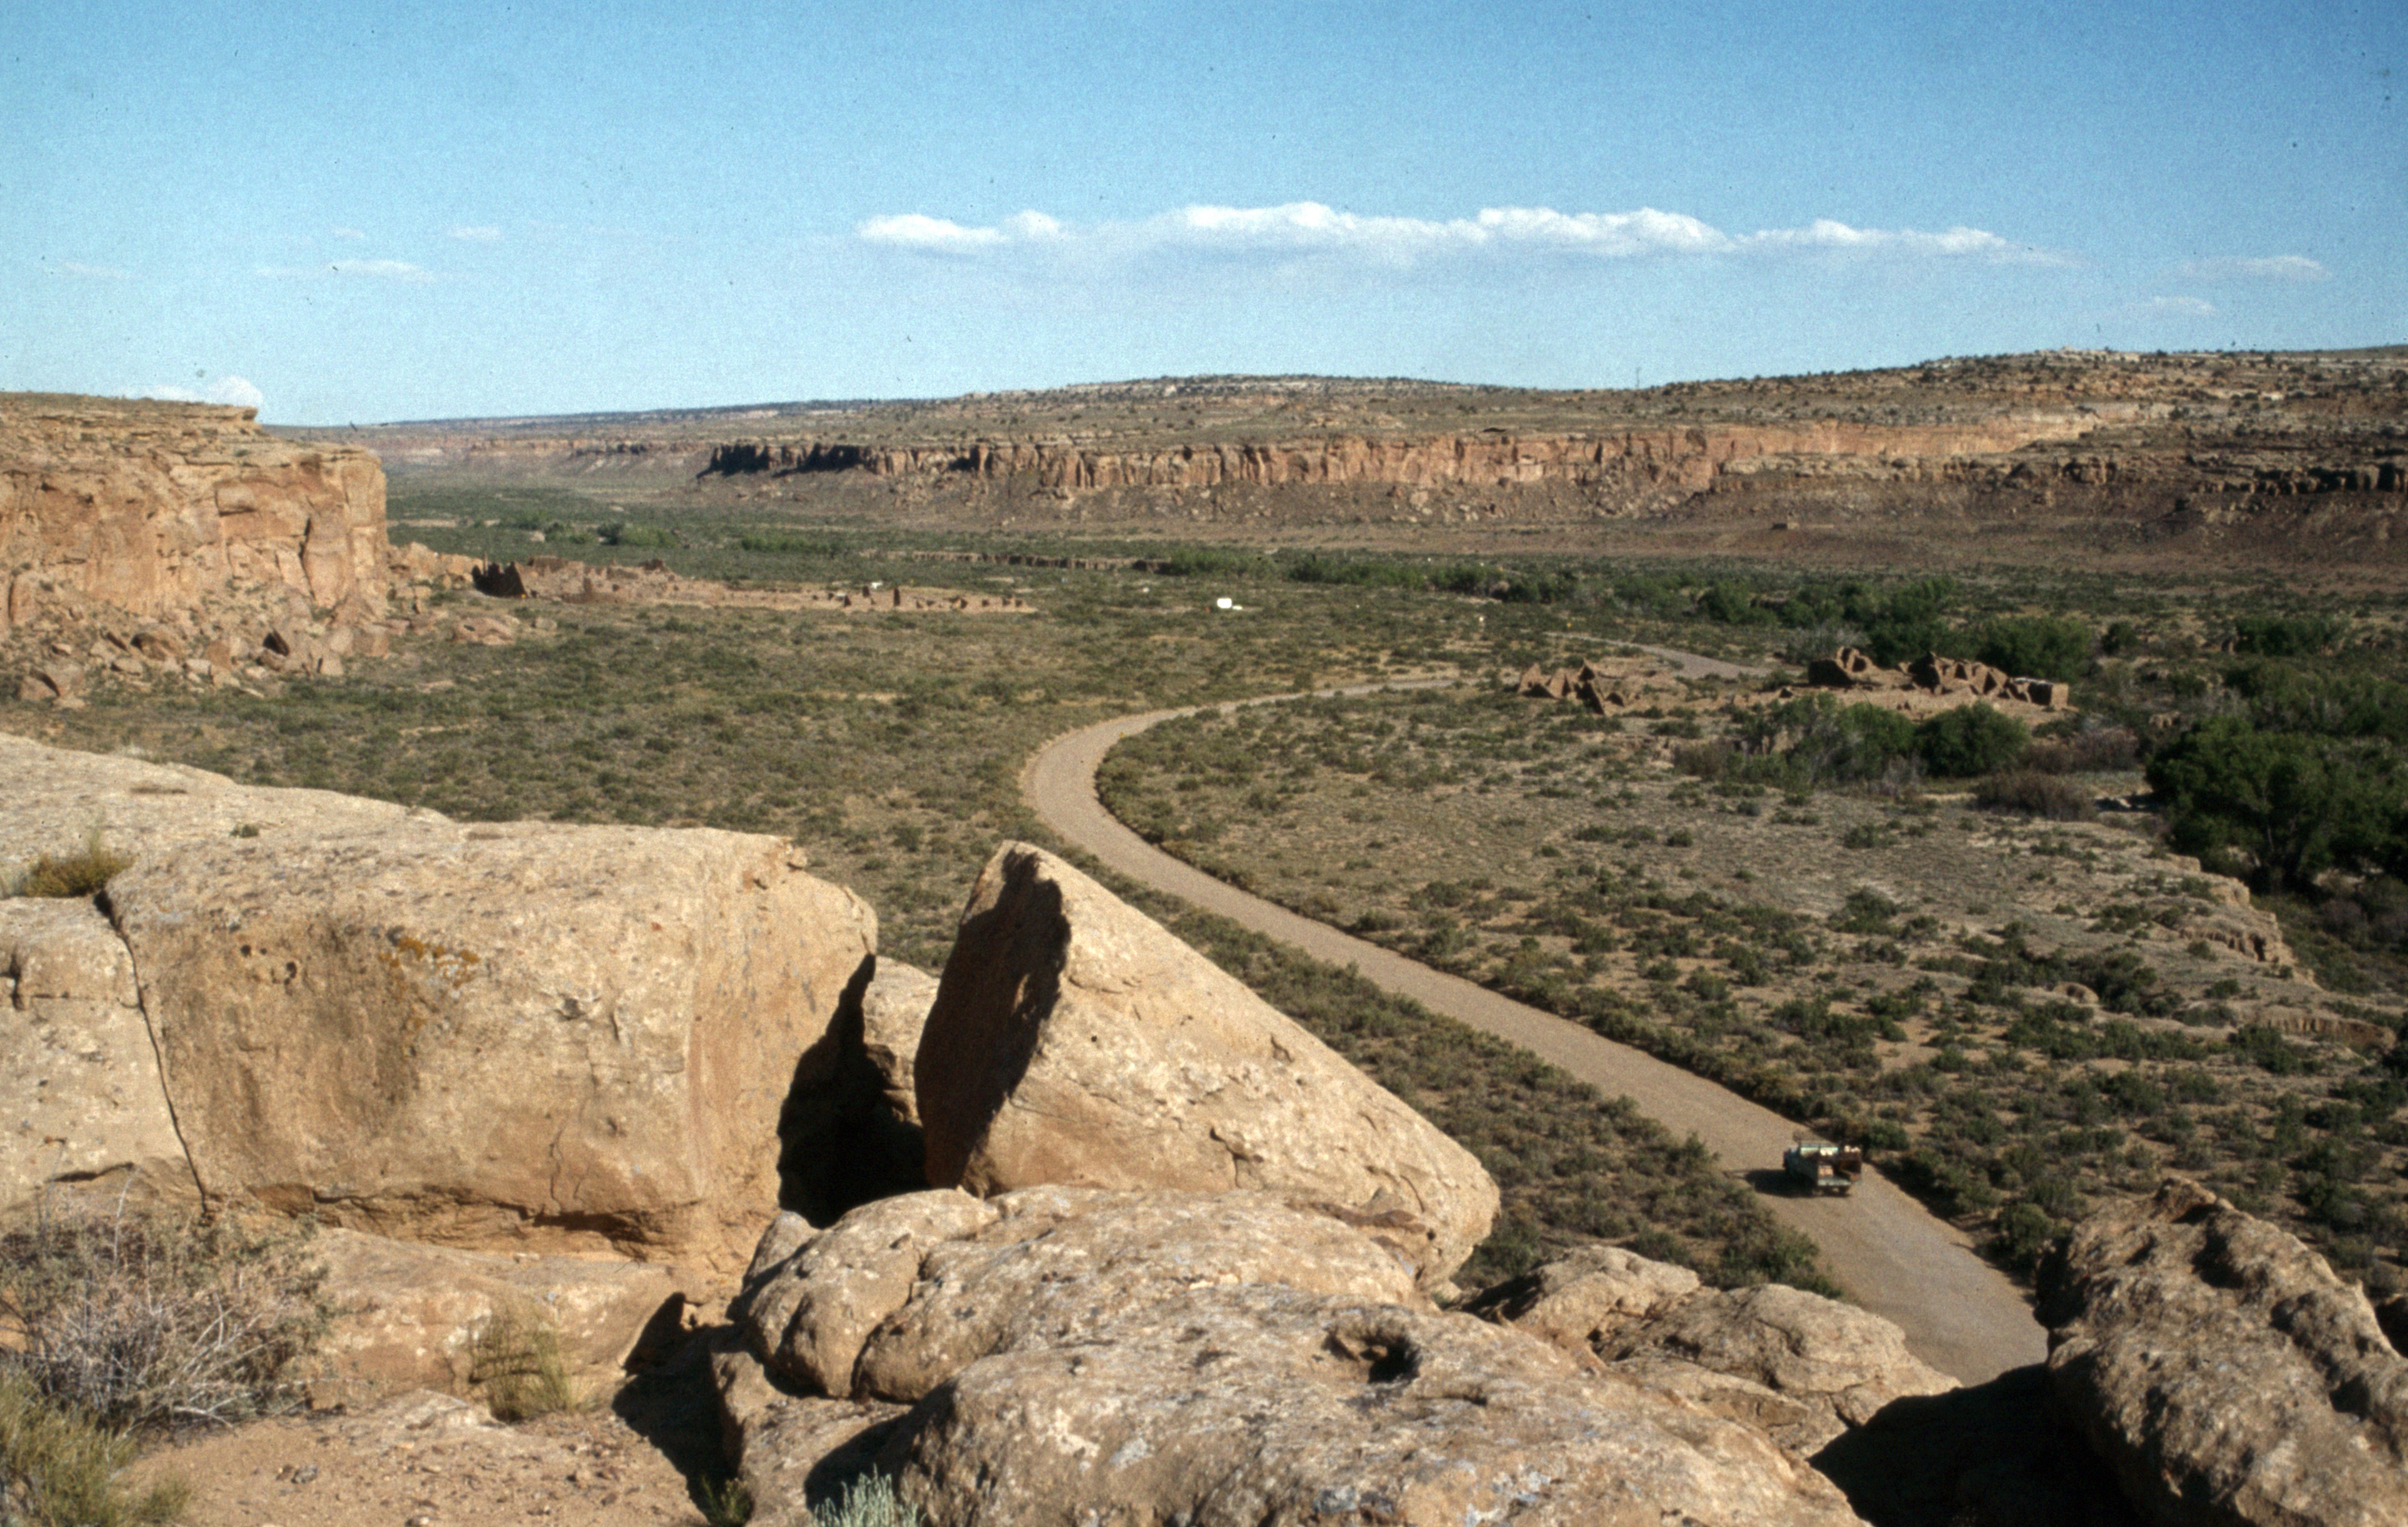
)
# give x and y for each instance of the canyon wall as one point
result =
(155, 508)
(1670, 460)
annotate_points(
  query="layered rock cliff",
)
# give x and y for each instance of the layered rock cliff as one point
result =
(1635, 464)
(155, 508)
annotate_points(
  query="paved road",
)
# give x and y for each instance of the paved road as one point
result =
(1959, 1314)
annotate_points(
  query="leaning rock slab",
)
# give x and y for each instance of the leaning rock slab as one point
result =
(1074, 1041)
(79, 1090)
(2224, 1370)
(528, 1037)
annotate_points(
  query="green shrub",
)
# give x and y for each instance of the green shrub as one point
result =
(60, 1468)
(516, 1357)
(866, 1501)
(1970, 741)
(72, 876)
(2287, 636)
(2036, 794)
(2296, 805)
(2043, 647)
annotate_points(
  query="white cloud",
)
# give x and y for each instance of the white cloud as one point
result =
(2272, 267)
(90, 273)
(354, 234)
(1311, 227)
(391, 270)
(913, 231)
(2179, 308)
(235, 391)
(476, 235)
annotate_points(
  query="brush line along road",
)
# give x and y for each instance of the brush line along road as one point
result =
(1959, 1314)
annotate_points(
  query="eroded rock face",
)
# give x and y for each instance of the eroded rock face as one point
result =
(1802, 1367)
(79, 1091)
(411, 1313)
(1255, 1402)
(1200, 1358)
(154, 507)
(899, 1295)
(525, 1037)
(1074, 1041)
(2224, 1370)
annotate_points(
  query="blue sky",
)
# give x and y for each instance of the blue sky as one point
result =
(357, 213)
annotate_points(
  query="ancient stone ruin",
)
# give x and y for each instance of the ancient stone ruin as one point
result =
(1953, 680)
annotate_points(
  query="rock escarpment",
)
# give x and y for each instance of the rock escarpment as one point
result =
(1074, 1041)
(154, 508)
(1637, 464)
(2224, 1370)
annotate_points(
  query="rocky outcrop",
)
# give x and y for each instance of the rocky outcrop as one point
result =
(534, 1037)
(1255, 1402)
(1074, 1041)
(526, 1038)
(1200, 1358)
(2223, 1371)
(1802, 1367)
(153, 508)
(411, 1314)
(900, 1295)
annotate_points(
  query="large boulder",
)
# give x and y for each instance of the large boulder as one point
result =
(528, 1037)
(899, 1295)
(1800, 1366)
(2224, 1370)
(1207, 1359)
(1074, 1041)
(80, 1094)
(1258, 1404)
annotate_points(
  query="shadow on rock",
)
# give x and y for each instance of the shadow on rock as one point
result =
(675, 1407)
(1994, 1455)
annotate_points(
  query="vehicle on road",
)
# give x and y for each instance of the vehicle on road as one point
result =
(1819, 1166)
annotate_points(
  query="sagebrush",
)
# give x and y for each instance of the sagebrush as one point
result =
(143, 1320)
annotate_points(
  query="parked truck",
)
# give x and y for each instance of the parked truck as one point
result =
(1819, 1166)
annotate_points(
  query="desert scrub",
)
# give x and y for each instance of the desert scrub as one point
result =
(1571, 1165)
(1911, 992)
(61, 1468)
(866, 1500)
(70, 876)
(144, 1321)
(515, 1357)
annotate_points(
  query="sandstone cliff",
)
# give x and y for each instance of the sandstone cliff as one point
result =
(155, 507)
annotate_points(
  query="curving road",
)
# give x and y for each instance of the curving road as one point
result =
(1959, 1314)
